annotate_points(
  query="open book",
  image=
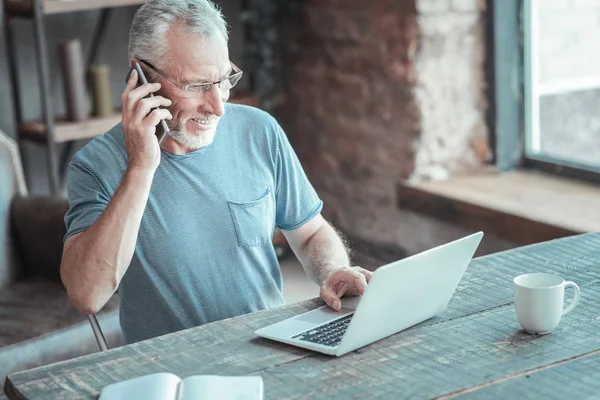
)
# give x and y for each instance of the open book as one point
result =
(167, 386)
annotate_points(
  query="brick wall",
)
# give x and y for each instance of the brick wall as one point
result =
(385, 91)
(450, 89)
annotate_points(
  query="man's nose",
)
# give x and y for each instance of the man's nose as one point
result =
(215, 101)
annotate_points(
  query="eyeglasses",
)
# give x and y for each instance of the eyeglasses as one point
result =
(200, 89)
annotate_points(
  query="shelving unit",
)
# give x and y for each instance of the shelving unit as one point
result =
(50, 130)
(66, 131)
(25, 8)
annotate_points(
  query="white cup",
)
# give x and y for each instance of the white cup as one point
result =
(539, 301)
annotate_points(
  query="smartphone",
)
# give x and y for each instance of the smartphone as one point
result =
(162, 130)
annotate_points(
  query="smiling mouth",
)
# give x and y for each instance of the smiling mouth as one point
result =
(204, 124)
(202, 121)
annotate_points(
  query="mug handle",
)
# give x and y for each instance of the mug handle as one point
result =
(575, 298)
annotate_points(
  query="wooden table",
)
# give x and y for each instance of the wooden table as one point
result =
(474, 349)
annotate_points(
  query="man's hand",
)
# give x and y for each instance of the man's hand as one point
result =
(139, 123)
(351, 281)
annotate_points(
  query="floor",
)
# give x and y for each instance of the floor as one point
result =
(297, 286)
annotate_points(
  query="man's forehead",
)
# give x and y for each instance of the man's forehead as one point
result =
(199, 61)
(195, 54)
(207, 71)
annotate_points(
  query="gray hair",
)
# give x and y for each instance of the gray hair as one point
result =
(148, 33)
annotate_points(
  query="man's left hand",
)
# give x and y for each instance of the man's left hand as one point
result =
(351, 281)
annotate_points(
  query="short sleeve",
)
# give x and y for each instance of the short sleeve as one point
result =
(88, 198)
(297, 201)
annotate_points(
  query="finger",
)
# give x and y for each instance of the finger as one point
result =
(353, 277)
(360, 282)
(341, 289)
(155, 117)
(348, 280)
(131, 82)
(146, 105)
(135, 95)
(368, 274)
(329, 296)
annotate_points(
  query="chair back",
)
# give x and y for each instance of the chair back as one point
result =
(12, 183)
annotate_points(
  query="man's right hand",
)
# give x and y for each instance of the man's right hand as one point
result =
(139, 124)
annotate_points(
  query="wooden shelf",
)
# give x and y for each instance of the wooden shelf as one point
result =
(63, 6)
(25, 7)
(522, 206)
(65, 131)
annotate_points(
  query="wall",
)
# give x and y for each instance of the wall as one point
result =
(383, 92)
(450, 89)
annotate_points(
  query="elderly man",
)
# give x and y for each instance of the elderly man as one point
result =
(183, 229)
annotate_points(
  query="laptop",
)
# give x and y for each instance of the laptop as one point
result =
(400, 294)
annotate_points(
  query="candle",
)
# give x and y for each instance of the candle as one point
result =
(74, 80)
(101, 90)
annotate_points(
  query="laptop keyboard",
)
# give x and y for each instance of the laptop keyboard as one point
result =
(329, 334)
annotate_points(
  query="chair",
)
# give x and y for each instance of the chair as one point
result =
(98, 332)
(21, 189)
(38, 323)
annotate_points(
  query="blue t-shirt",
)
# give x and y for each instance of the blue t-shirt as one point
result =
(203, 251)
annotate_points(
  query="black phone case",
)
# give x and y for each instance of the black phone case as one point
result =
(162, 130)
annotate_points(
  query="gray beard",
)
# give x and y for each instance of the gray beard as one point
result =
(194, 142)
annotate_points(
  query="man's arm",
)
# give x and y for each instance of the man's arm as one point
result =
(95, 260)
(324, 257)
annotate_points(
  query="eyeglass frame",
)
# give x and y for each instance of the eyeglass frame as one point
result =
(237, 73)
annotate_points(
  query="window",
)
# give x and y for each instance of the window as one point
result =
(561, 84)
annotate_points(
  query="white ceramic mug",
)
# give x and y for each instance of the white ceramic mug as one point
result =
(539, 301)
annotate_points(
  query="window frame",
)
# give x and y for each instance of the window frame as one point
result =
(512, 108)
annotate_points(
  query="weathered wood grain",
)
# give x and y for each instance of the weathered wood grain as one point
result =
(224, 348)
(487, 283)
(576, 379)
(439, 359)
(475, 341)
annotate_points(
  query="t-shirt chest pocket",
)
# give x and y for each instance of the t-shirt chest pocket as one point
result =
(253, 220)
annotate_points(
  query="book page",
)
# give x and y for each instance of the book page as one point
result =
(209, 387)
(159, 386)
